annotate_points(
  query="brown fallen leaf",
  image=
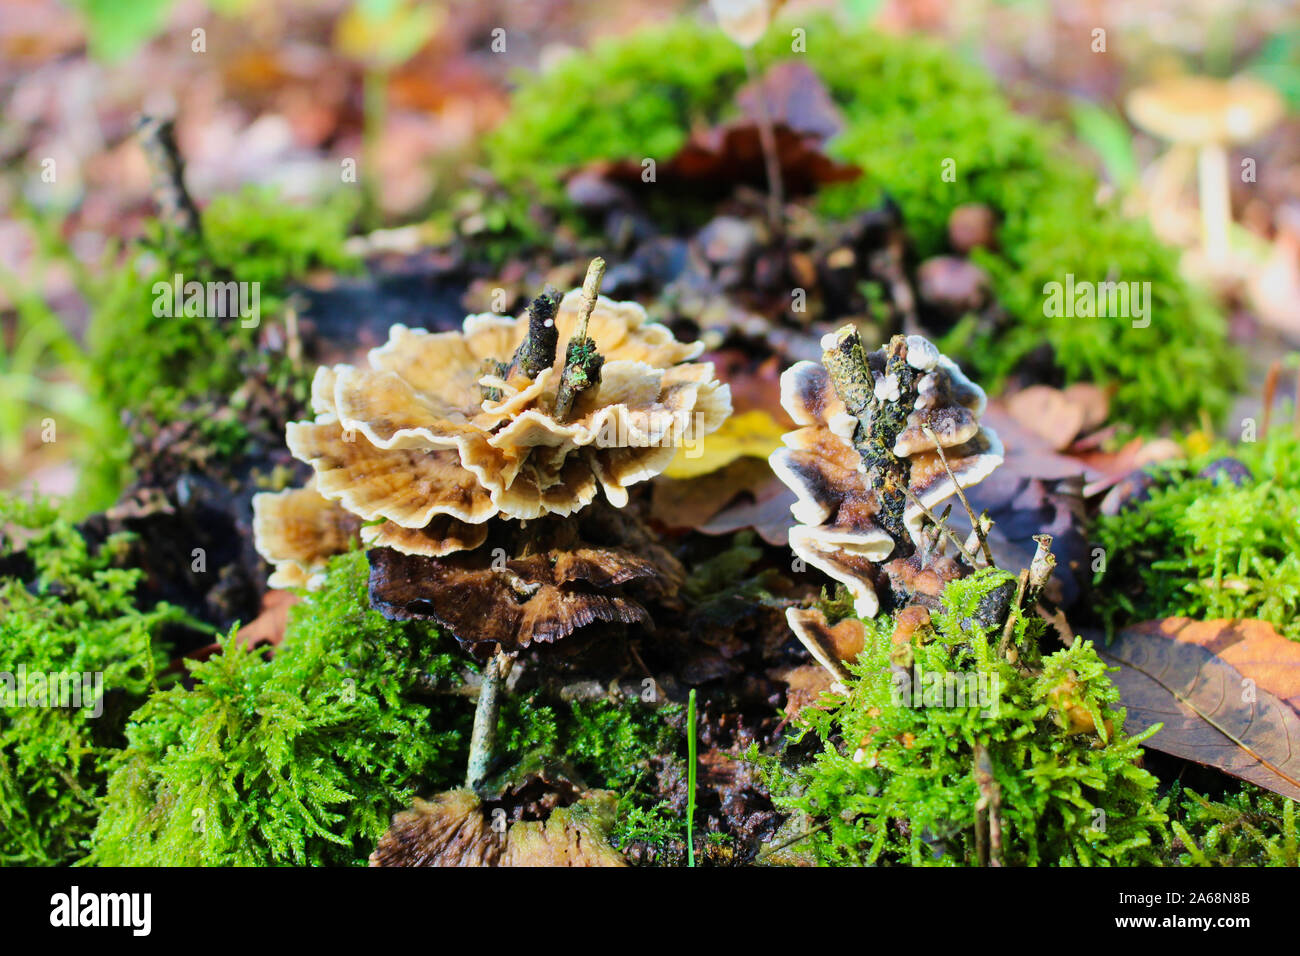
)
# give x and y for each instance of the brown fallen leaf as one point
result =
(718, 158)
(269, 626)
(1048, 413)
(1227, 692)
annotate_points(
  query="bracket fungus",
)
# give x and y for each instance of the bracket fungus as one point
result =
(465, 460)
(884, 437)
(453, 829)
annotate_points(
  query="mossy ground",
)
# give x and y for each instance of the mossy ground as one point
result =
(1210, 542)
(909, 107)
(898, 783)
(67, 609)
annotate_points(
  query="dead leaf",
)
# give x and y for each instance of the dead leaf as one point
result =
(1048, 413)
(1227, 692)
(752, 434)
(269, 626)
(720, 157)
(805, 685)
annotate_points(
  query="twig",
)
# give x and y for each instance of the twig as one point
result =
(942, 526)
(158, 138)
(1013, 612)
(482, 741)
(582, 363)
(537, 351)
(974, 520)
(990, 802)
(1040, 568)
(845, 359)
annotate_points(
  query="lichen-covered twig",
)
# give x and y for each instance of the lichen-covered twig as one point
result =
(1007, 645)
(482, 741)
(177, 209)
(582, 363)
(988, 810)
(1040, 569)
(879, 422)
(537, 350)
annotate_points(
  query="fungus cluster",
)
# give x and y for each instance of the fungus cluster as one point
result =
(885, 437)
(458, 456)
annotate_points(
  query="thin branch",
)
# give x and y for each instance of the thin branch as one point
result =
(974, 520)
(767, 140)
(942, 526)
(1008, 629)
(582, 363)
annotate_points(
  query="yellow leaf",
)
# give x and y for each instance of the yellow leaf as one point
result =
(1198, 442)
(750, 434)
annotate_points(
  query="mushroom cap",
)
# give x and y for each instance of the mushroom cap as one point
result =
(832, 647)
(838, 532)
(1201, 110)
(453, 829)
(415, 443)
(298, 531)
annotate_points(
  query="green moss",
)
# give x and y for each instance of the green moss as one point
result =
(252, 237)
(609, 743)
(1251, 827)
(896, 784)
(303, 758)
(77, 617)
(298, 760)
(909, 105)
(1205, 547)
(159, 366)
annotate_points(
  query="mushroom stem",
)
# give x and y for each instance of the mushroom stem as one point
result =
(483, 738)
(158, 138)
(767, 140)
(582, 363)
(1216, 210)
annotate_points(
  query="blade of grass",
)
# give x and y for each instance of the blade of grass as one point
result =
(690, 778)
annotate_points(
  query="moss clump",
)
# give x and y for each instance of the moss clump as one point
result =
(909, 106)
(301, 759)
(1205, 546)
(66, 610)
(609, 743)
(1248, 828)
(897, 783)
(157, 365)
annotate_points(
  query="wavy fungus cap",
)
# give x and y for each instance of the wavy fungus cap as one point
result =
(442, 431)
(840, 530)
